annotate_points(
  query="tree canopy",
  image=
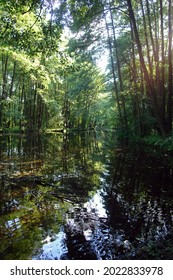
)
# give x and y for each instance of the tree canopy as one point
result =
(49, 74)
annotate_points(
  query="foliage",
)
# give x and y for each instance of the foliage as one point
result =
(49, 77)
(159, 143)
(140, 58)
(39, 70)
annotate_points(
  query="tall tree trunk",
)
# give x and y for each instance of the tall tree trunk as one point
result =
(4, 87)
(135, 96)
(125, 122)
(4, 75)
(162, 88)
(11, 106)
(146, 39)
(12, 79)
(21, 102)
(113, 72)
(151, 33)
(157, 62)
(170, 84)
(149, 85)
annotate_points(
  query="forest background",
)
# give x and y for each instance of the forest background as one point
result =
(49, 73)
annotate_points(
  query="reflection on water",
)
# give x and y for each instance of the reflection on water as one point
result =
(52, 249)
(80, 197)
(56, 248)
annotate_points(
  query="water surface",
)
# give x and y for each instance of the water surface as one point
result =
(81, 196)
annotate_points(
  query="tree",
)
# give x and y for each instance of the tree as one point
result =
(155, 85)
(26, 41)
(83, 86)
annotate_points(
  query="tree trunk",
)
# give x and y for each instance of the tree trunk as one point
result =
(162, 88)
(150, 88)
(146, 39)
(125, 122)
(113, 72)
(169, 102)
(4, 87)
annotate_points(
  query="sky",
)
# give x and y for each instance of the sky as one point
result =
(102, 61)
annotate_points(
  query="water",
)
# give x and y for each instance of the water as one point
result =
(81, 196)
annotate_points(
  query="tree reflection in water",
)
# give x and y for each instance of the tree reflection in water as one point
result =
(80, 197)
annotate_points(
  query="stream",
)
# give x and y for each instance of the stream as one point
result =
(82, 196)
